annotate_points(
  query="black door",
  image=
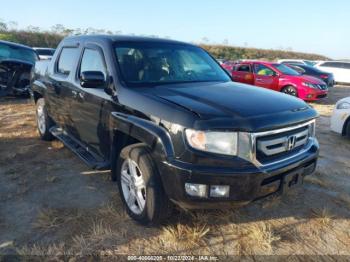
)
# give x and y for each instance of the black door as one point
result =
(58, 97)
(91, 107)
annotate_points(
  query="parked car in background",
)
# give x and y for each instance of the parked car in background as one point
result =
(340, 120)
(228, 65)
(281, 78)
(340, 70)
(328, 78)
(16, 62)
(171, 125)
(221, 60)
(296, 61)
(44, 53)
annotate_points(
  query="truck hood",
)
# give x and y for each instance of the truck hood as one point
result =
(229, 104)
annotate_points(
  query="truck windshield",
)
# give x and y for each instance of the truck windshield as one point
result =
(286, 70)
(15, 52)
(143, 64)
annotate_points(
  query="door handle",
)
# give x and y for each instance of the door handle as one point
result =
(259, 79)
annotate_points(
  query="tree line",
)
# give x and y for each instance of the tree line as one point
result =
(35, 36)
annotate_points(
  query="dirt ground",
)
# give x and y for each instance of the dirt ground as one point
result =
(52, 204)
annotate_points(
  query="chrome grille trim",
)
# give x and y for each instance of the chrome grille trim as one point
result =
(280, 144)
(247, 150)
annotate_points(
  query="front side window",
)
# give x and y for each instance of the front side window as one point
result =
(92, 61)
(162, 63)
(263, 70)
(66, 60)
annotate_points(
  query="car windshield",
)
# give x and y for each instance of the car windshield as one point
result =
(143, 64)
(17, 52)
(286, 70)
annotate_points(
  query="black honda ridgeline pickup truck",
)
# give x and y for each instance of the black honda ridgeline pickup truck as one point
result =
(171, 125)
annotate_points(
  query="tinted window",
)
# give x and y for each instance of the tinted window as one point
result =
(298, 69)
(346, 65)
(49, 52)
(331, 64)
(263, 70)
(17, 52)
(67, 59)
(162, 63)
(92, 61)
(286, 70)
(244, 68)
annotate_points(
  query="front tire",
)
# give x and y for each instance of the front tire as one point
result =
(140, 186)
(290, 90)
(44, 122)
(347, 129)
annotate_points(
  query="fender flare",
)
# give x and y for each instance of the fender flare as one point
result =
(146, 131)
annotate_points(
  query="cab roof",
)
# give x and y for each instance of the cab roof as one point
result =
(121, 38)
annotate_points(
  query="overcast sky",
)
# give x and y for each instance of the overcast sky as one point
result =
(309, 26)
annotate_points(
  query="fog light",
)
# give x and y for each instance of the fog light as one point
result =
(309, 96)
(219, 191)
(197, 190)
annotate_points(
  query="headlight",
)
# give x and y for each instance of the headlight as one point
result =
(309, 85)
(343, 105)
(312, 129)
(211, 141)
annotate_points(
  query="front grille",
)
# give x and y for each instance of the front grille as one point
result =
(274, 147)
(322, 96)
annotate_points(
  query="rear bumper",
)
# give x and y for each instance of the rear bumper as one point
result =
(245, 185)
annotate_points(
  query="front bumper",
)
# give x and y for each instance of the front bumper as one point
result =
(313, 95)
(246, 184)
(338, 119)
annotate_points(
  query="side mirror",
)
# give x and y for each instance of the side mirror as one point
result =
(92, 79)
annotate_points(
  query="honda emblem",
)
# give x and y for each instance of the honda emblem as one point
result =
(290, 143)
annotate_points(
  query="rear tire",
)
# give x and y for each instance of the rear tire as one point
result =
(140, 186)
(43, 121)
(290, 90)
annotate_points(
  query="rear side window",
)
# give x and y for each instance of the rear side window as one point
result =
(92, 61)
(331, 64)
(66, 60)
(244, 68)
(346, 65)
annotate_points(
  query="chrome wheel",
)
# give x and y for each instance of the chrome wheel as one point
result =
(289, 90)
(41, 120)
(133, 186)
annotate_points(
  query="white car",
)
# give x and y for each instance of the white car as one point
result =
(44, 53)
(340, 70)
(340, 120)
(296, 61)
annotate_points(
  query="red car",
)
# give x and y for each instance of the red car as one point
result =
(280, 78)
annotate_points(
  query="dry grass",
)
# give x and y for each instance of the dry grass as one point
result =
(49, 219)
(54, 250)
(257, 239)
(316, 180)
(100, 237)
(323, 216)
(56, 144)
(185, 236)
